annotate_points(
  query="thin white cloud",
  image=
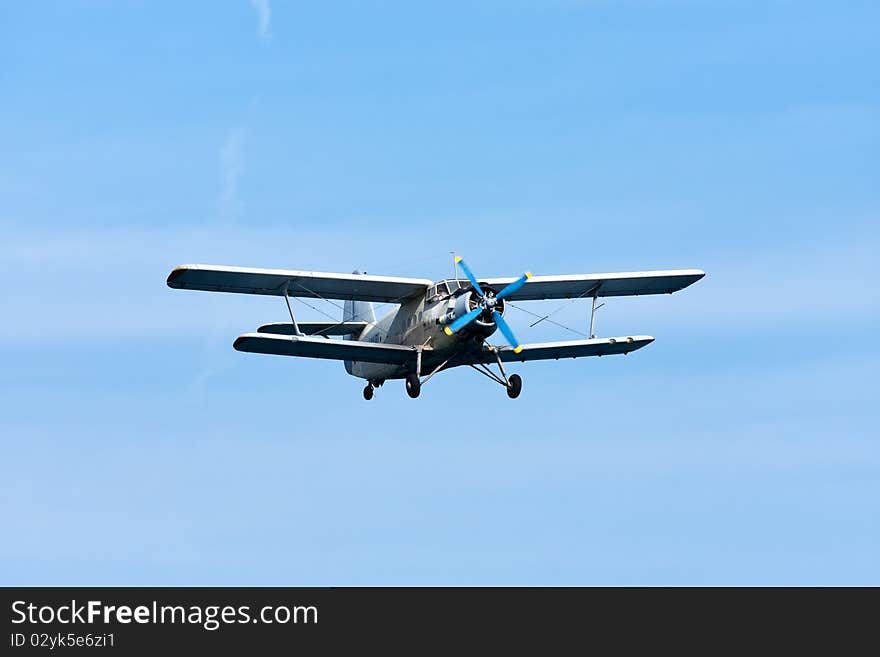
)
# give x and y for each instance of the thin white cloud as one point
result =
(232, 166)
(264, 16)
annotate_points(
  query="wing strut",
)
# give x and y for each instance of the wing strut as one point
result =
(593, 315)
(289, 309)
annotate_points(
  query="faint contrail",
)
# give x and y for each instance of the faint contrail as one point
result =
(264, 15)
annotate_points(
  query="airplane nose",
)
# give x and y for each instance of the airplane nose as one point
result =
(490, 306)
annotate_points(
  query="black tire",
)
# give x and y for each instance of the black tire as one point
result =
(368, 393)
(514, 386)
(413, 385)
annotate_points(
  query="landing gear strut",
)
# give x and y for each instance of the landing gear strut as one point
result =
(512, 383)
(413, 385)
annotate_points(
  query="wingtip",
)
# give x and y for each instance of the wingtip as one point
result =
(447, 330)
(458, 258)
(247, 341)
(176, 273)
(689, 277)
(517, 350)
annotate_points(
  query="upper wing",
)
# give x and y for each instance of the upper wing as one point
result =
(309, 347)
(317, 285)
(570, 349)
(602, 285)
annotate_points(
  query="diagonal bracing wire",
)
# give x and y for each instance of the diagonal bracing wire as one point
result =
(333, 303)
(546, 318)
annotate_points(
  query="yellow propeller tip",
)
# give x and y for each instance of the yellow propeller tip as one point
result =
(458, 258)
(447, 330)
(517, 350)
(528, 274)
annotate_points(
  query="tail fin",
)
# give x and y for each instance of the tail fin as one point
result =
(356, 311)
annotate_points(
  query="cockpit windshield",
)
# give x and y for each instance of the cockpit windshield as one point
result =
(446, 287)
(455, 285)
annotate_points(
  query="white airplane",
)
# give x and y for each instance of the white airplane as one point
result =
(437, 325)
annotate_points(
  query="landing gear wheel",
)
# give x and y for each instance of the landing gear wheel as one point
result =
(514, 386)
(413, 385)
(368, 392)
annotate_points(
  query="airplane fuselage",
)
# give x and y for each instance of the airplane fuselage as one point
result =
(420, 323)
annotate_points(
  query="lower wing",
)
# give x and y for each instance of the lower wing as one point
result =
(309, 347)
(393, 354)
(557, 350)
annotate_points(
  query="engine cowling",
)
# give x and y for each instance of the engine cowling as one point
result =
(484, 325)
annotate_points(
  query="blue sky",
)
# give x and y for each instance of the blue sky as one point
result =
(560, 136)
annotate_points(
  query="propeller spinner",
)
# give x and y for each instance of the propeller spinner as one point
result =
(487, 302)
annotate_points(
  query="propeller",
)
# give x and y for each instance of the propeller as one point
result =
(488, 302)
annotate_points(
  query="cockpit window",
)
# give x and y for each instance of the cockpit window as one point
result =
(446, 287)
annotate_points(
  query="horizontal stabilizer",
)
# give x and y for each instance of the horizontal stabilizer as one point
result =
(317, 347)
(315, 328)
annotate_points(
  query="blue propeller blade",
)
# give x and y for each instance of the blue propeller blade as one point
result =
(513, 287)
(470, 276)
(505, 329)
(462, 321)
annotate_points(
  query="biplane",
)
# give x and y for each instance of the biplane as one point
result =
(434, 326)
